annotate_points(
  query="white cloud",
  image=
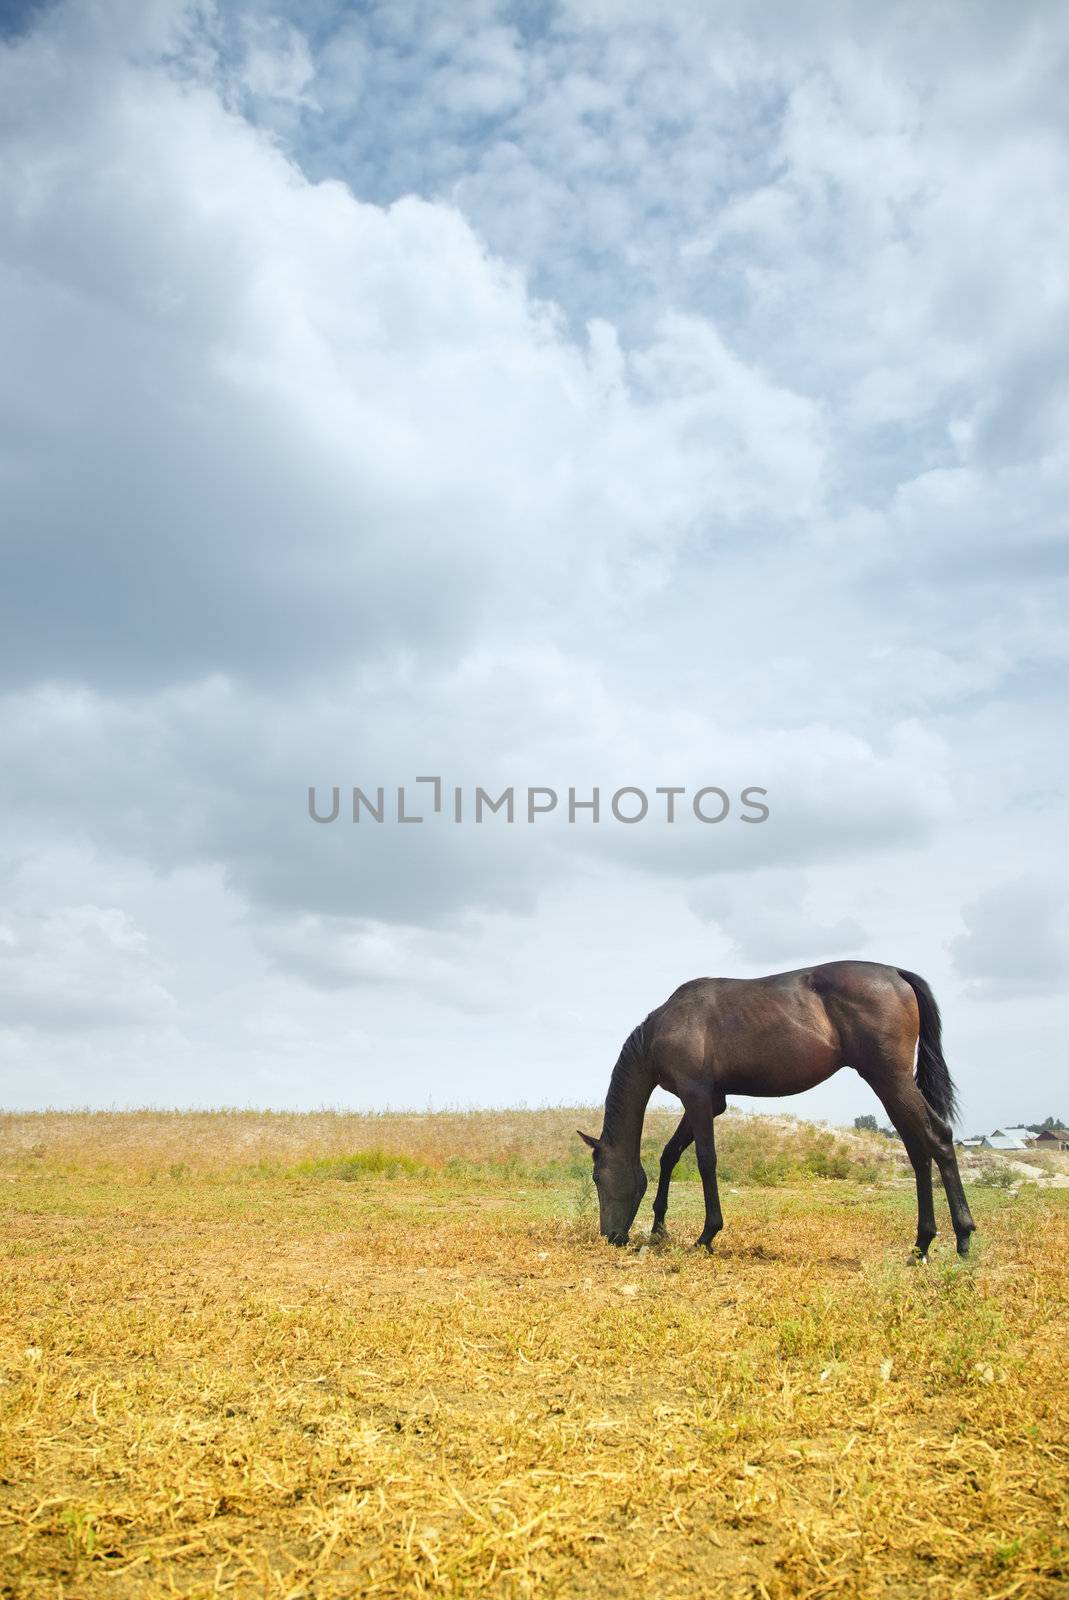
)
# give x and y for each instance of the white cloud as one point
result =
(769, 920)
(1016, 940)
(79, 967)
(615, 398)
(277, 64)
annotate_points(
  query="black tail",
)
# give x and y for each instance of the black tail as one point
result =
(933, 1075)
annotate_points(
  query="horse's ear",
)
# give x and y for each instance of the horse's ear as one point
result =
(588, 1138)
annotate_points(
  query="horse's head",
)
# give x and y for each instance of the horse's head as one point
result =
(621, 1183)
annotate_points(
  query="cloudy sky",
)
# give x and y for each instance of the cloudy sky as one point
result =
(581, 395)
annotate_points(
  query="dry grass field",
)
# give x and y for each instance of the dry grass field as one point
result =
(249, 1354)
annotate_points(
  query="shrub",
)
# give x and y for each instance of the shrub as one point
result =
(361, 1164)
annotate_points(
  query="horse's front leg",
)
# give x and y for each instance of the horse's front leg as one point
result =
(680, 1140)
(702, 1110)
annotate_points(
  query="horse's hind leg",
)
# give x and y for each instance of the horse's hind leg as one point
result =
(927, 1137)
(683, 1136)
(907, 1120)
(947, 1161)
(921, 1162)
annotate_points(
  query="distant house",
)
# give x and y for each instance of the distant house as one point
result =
(1019, 1131)
(1051, 1139)
(1005, 1139)
(1018, 1137)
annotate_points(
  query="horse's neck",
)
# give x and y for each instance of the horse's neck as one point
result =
(630, 1088)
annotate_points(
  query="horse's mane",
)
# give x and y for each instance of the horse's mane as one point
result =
(632, 1055)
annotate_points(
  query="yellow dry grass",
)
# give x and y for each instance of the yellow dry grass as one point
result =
(224, 1370)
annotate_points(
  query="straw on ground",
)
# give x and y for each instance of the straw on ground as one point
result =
(332, 1356)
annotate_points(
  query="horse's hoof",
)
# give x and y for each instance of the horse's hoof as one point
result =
(916, 1259)
(704, 1244)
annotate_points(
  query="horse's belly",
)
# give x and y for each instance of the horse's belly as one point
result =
(779, 1072)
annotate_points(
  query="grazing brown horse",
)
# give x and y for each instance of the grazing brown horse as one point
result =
(778, 1036)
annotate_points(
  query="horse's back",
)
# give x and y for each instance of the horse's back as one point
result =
(844, 979)
(776, 1034)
